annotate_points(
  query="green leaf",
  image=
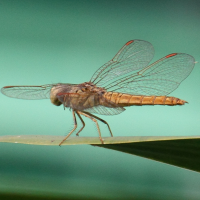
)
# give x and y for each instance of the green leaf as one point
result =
(181, 151)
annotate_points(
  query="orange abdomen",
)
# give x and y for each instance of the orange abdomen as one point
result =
(129, 100)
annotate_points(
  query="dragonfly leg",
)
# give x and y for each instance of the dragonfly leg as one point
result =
(82, 123)
(90, 116)
(105, 122)
(75, 126)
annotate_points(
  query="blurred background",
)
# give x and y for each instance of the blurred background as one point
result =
(46, 41)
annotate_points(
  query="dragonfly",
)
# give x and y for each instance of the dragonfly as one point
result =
(126, 80)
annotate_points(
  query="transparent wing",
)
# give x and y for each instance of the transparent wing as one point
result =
(108, 108)
(28, 92)
(134, 55)
(102, 110)
(159, 78)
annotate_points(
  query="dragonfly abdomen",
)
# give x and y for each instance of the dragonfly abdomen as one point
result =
(123, 100)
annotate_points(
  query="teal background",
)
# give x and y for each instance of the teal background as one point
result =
(44, 42)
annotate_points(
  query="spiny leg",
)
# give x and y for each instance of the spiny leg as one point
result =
(82, 123)
(94, 120)
(75, 126)
(105, 122)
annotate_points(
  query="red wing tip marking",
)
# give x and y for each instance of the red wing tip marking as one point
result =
(8, 86)
(129, 42)
(21, 86)
(170, 55)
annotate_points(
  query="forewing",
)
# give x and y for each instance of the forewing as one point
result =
(159, 78)
(28, 92)
(134, 55)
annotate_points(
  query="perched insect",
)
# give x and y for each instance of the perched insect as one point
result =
(126, 80)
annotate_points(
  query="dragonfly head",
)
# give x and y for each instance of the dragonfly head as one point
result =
(57, 90)
(53, 95)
